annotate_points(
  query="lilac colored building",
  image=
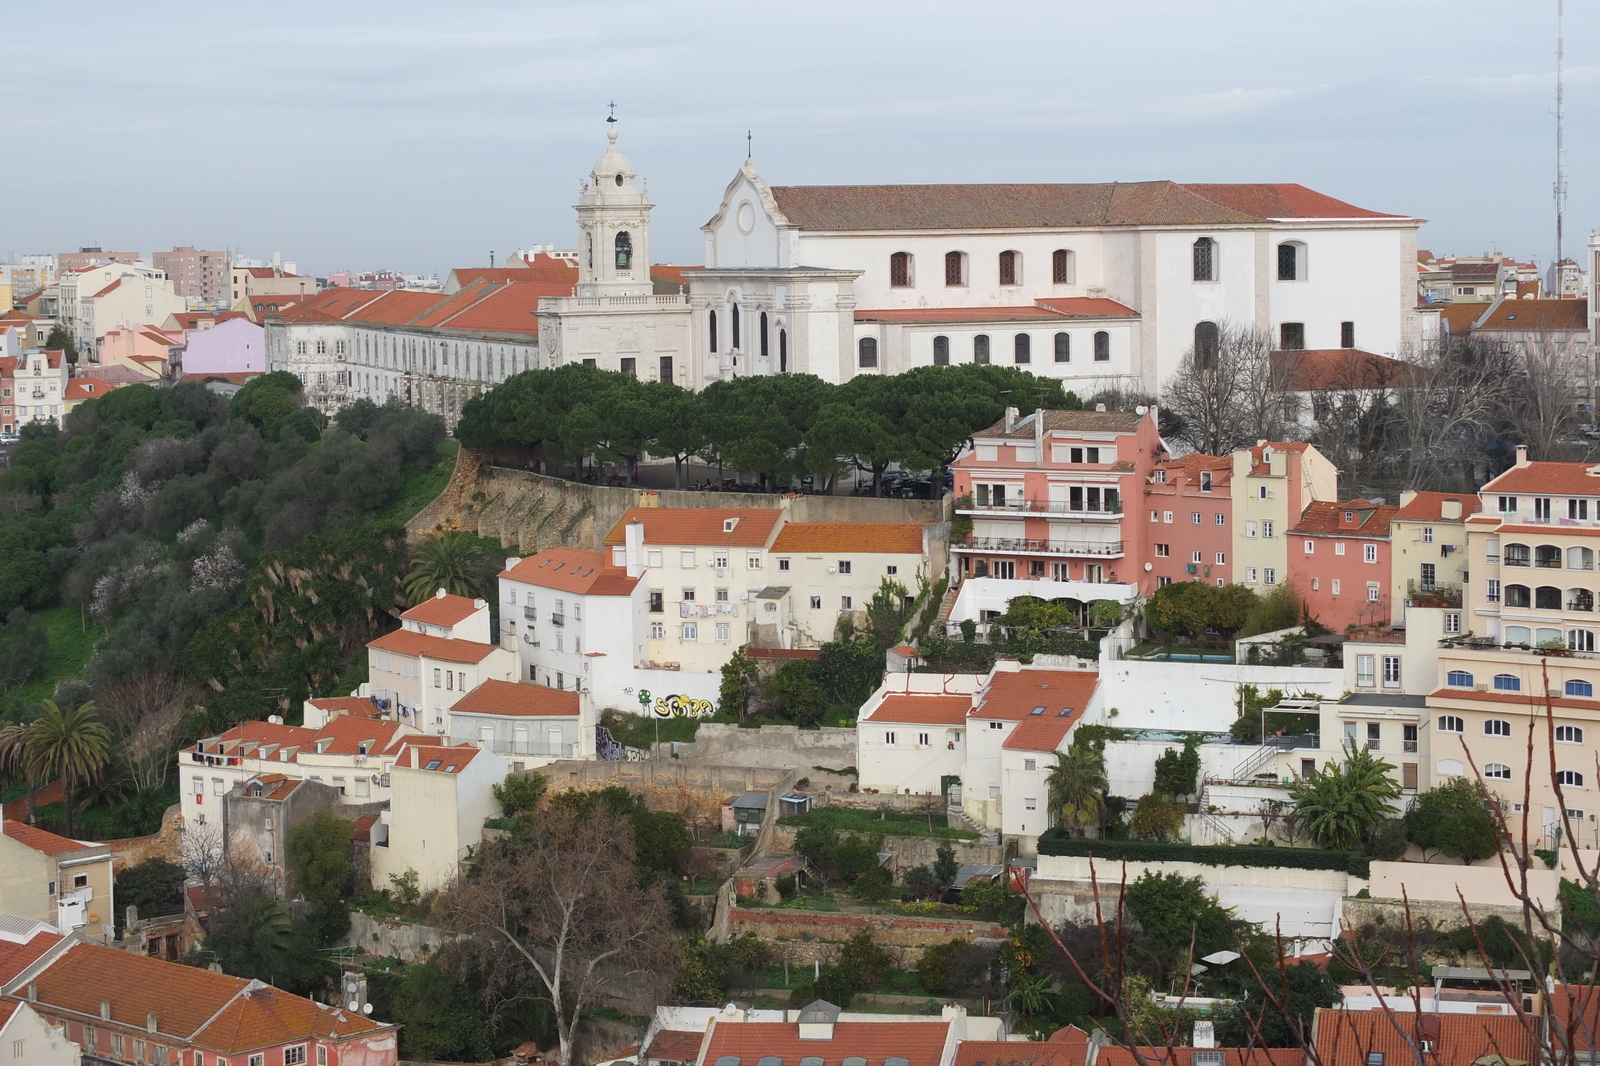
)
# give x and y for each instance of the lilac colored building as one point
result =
(237, 346)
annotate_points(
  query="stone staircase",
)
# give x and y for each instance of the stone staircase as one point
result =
(948, 604)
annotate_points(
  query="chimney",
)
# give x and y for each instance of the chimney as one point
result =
(1038, 432)
(1011, 419)
(150, 1022)
(1450, 509)
(1100, 407)
(1205, 1034)
(633, 539)
(1522, 455)
(33, 992)
(439, 595)
(413, 756)
(512, 561)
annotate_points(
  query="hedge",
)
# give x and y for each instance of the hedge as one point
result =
(1355, 863)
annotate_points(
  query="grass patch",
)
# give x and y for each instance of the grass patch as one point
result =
(421, 487)
(889, 823)
(70, 648)
(639, 731)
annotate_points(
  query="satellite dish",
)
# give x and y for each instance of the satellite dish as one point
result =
(354, 1005)
(366, 1008)
(350, 986)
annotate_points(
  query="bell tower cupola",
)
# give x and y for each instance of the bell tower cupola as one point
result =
(613, 227)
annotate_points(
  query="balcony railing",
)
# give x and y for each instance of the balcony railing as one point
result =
(532, 747)
(1051, 507)
(1023, 546)
(530, 614)
(557, 619)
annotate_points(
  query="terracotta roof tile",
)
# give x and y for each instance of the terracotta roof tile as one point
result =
(1530, 699)
(674, 274)
(1023, 313)
(1004, 1052)
(510, 309)
(1112, 1055)
(1575, 479)
(1185, 471)
(700, 526)
(449, 760)
(42, 841)
(405, 642)
(1348, 1037)
(1015, 695)
(354, 706)
(672, 1045)
(445, 610)
(919, 709)
(1067, 422)
(1089, 307)
(518, 699)
(1341, 368)
(269, 1016)
(183, 998)
(920, 1043)
(1428, 507)
(395, 307)
(1327, 518)
(89, 388)
(108, 289)
(14, 957)
(893, 538)
(571, 570)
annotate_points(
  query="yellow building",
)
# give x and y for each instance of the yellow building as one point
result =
(49, 878)
(1272, 485)
(1525, 671)
(1428, 549)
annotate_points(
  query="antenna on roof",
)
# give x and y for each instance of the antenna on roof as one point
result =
(1561, 178)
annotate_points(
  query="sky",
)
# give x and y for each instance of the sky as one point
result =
(394, 134)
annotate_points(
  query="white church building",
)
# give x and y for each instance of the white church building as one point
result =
(1091, 283)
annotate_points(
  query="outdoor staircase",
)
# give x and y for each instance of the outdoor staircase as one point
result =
(1259, 758)
(948, 604)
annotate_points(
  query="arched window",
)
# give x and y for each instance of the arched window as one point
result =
(1061, 265)
(1576, 688)
(1063, 347)
(1102, 347)
(941, 351)
(1497, 771)
(900, 270)
(1450, 768)
(1547, 598)
(1569, 777)
(1571, 734)
(1547, 556)
(1496, 727)
(1580, 600)
(1507, 683)
(1580, 639)
(867, 352)
(1207, 339)
(1518, 634)
(711, 322)
(1580, 559)
(624, 251)
(1205, 259)
(1022, 348)
(980, 348)
(783, 351)
(1517, 596)
(733, 327)
(1010, 268)
(1458, 679)
(763, 334)
(1450, 723)
(1291, 261)
(1517, 555)
(955, 268)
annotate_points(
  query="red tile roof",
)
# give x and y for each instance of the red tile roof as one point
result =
(674, 274)
(42, 841)
(395, 307)
(1186, 471)
(15, 957)
(354, 706)
(921, 1043)
(1004, 1052)
(1015, 695)
(444, 610)
(671, 1045)
(1574, 479)
(699, 526)
(109, 288)
(183, 998)
(269, 1016)
(571, 570)
(1326, 518)
(1342, 368)
(509, 309)
(1088, 307)
(518, 699)
(405, 642)
(188, 320)
(345, 735)
(920, 709)
(1066, 422)
(882, 538)
(1535, 316)
(89, 388)
(1348, 1037)
(1145, 203)
(1429, 507)
(1530, 699)
(932, 315)
(448, 760)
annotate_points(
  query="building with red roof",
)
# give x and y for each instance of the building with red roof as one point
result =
(1392, 1038)
(526, 722)
(1428, 549)
(53, 879)
(441, 795)
(1197, 545)
(114, 296)
(125, 1007)
(1339, 560)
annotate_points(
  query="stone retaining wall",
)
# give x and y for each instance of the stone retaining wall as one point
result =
(812, 936)
(406, 941)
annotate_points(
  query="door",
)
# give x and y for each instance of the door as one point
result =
(1005, 568)
(1408, 776)
(519, 739)
(486, 737)
(556, 743)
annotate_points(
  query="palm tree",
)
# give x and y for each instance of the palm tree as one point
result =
(1078, 787)
(75, 744)
(14, 760)
(448, 561)
(1343, 804)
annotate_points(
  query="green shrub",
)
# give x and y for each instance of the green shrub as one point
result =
(1356, 863)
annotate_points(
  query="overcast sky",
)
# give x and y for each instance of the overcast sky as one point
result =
(420, 136)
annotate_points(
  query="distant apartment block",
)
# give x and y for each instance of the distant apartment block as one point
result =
(196, 274)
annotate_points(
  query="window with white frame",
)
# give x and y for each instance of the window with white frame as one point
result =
(1366, 673)
(1251, 575)
(1496, 727)
(1451, 723)
(1266, 529)
(752, 560)
(1497, 771)
(1569, 734)
(1369, 553)
(1269, 575)
(1222, 519)
(1374, 591)
(724, 632)
(1222, 558)
(1311, 547)
(691, 631)
(294, 1056)
(1391, 671)
(888, 739)
(1030, 765)
(1569, 778)
(1250, 528)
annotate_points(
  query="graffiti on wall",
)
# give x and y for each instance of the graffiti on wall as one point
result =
(675, 706)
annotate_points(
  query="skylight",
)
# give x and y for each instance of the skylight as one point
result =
(433, 764)
(1038, 710)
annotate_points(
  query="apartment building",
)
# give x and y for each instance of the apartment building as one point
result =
(527, 723)
(565, 612)
(1339, 559)
(195, 274)
(97, 299)
(33, 388)
(1196, 543)
(441, 652)
(441, 797)
(1428, 550)
(53, 879)
(247, 283)
(1273, 484)
(1047, 494)
(832, 570)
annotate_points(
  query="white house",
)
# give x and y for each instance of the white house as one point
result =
(38, 378)
(529, 724)
(832, 569)
(915, 739)
(26, 1039)
(440, 653)
(98, 299)
(441, 797)
(569, 616)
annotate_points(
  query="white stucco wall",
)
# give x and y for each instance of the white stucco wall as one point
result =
(1197, 696)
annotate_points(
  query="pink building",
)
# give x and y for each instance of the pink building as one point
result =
(143, 349)
(236, 346)
(1046, 494)
(1197, 542)
(1339, 558)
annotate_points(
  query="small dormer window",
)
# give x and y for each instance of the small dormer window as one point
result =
(728, 524)
(1349, 516)
(1161, 477)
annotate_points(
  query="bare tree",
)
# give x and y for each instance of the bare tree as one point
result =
(559, 909)
(145, 710)
(1545, 389)
(203, 854)
(1225, 395)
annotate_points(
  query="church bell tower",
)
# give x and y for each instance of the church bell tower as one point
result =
(613, 227)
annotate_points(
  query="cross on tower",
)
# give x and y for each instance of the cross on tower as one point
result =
(613, 116)
(749, 145)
